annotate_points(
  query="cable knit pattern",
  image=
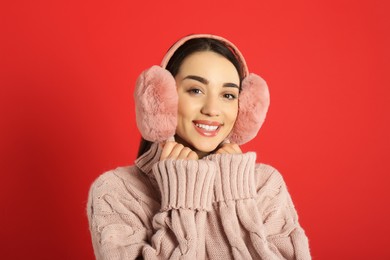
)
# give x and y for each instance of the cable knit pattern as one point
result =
(221, 207)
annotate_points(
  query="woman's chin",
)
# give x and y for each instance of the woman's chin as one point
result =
(201, 147)
(205, 149)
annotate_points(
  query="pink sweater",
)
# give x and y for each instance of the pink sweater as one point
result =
(221, 207)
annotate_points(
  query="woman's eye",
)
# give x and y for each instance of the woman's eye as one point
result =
(195, 91)
(230, 96)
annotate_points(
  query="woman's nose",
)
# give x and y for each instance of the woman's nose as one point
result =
(211, 107)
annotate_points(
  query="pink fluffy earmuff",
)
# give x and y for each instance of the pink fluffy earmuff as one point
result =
(156, 100)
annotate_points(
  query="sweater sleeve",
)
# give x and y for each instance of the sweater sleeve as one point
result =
(140, 228)
(285, 236)
(186, 192)
(253, 200)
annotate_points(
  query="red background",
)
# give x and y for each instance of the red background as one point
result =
(67, 113)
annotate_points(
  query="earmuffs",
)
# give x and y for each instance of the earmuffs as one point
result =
(156, 99)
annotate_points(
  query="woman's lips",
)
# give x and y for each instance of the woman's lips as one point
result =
(207, 128)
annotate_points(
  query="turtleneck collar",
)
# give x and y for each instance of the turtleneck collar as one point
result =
(146, 161)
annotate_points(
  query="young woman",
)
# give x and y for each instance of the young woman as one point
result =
(192, 193)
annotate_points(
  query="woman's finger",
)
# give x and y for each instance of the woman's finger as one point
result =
(184, 153)
(175, 151)
(166, 150)
(229, 148)
(192, 156)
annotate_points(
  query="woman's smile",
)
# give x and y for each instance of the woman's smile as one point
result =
(207, 128)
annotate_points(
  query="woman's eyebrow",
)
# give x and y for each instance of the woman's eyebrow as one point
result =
(205, 81)
(231, 85)
(197, 78)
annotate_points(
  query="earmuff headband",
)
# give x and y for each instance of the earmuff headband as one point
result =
(179, 43)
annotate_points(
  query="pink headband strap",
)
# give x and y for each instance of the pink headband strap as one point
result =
(179, 43)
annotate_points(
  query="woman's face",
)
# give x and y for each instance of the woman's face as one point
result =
(208, 88)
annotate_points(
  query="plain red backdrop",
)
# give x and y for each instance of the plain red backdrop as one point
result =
(67, 111)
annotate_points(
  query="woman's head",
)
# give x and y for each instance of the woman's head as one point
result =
(197, 89)
(208, 88)
(208, 76)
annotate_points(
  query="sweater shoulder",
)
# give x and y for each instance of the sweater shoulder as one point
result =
(122, 185)
(265, 171)
(269, 181)
(114, 181)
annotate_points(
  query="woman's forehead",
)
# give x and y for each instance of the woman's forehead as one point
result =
(208, 64)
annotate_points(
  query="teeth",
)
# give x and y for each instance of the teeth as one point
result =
(207, 127)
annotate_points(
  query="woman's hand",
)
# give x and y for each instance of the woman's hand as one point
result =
(173, 150)
(229, 148)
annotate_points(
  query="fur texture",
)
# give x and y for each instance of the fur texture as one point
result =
(253, 105)
(156, 103)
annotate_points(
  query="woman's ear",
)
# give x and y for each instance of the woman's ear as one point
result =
(253, 105)
(156, 103)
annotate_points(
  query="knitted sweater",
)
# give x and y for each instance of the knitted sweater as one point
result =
(224, 206)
